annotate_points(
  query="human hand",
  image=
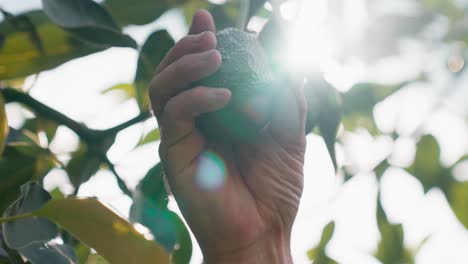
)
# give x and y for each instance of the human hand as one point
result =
(240, 200)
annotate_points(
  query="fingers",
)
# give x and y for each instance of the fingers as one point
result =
(180, 75)
(289, 118)
(189, 44)
(181, 142)
(202, 21)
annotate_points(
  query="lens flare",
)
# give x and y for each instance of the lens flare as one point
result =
(211, 173)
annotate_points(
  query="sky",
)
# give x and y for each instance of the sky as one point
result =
(75, 89)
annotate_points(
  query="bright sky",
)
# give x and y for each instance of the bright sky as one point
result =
(75, 89)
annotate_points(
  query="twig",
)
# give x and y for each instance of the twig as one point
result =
(140, 118)
(122, 185)
(244, 10)
(13, 95)
(15, 217)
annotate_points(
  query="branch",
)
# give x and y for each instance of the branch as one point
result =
(13, 95)
(122, 185)
(140, 118)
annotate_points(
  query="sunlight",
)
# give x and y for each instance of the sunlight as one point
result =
(310, 44)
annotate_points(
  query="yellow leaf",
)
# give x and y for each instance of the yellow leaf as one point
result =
(3, 124)
(101, 229)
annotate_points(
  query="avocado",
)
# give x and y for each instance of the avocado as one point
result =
(245, 71)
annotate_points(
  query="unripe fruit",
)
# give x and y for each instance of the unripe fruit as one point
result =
(246, 72)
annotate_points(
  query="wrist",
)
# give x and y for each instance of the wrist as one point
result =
(269, 249)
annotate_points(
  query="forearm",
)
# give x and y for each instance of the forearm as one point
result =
(270, 249)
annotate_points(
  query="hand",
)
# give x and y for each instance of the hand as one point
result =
(240, 200)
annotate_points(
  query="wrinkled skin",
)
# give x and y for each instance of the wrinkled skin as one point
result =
(249, 217)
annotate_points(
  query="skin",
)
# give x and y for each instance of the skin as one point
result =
(249, 217)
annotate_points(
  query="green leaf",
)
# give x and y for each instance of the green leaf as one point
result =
(3, 124)
(458, 32)
(328, 111)
(83, 252)
(88, 21)
(41, 125)
(96, 259)
(151, 188)
(391, 248)
(149, 208)
(19, 56)
(426, 166)
(116, 239)
(144, 12)
(82, 165)
(151, 137)
(19, 164)
(318, 254)
(154, 50)
(446, 7)
(359, 102)
(20, 233)
(458, 200)
(255, 6)
(183, 249)
(40, 253)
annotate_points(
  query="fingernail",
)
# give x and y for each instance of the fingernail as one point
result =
(212, 55)
(220, 93)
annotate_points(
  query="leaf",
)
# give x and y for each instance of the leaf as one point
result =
(7, 254)
(3, 124)
(20, 164)
(144, 12)
(96, 259)
(82, 165)
(83, 252)
(151, 137)
(127, 90)
(459, 31)
(254, 6)
(39, 125)
(391, 248)
(426, 166)
(88, 21)
(20, 233)
(19, 56)
(40, 253)
(446, 7)
(318, 254)
(458, 200)
(117, 240)
(183, 249)
(149, 208)
(358, 104)
(328, 111)
(153, 51)
(151, 189)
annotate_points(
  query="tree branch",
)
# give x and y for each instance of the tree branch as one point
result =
(13, 95)
(140, 118)
(121, 183)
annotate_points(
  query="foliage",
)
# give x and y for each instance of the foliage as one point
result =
(61, 31)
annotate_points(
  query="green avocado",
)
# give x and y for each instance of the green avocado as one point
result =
(246, 72)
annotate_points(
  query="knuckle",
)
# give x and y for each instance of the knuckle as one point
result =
(196, 93)
(188, 66)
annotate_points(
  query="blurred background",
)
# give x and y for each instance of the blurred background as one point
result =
(387, 76)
